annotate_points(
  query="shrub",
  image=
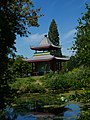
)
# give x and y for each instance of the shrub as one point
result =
(23, 85)
(55, 81)
(75, 79)
(79, 78)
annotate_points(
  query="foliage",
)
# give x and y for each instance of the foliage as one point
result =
(2, 115)
(75, 79)
(72, 80)
(84, 99)
(85, 116)
(21, 68)
(15, 17)
(24, 85)
(54, 82)
(5, 88)
(53, 35)
(72, 63)
(46, 91)
(82, 39)
(78, 78)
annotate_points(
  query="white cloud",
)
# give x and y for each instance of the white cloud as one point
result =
(34, 39)
(67, 41)
(69, 34)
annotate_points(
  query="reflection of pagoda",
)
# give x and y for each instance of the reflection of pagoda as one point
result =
(42, 61)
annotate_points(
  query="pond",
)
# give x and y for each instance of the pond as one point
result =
(69, 112)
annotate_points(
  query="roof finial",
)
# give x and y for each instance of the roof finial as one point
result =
(45, 35)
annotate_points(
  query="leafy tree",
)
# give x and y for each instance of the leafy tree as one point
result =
(72, 63)
(82, 39)
(21, 68)
(15, 18)
(53, 35)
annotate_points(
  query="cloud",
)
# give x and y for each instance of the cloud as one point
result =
(69, 34)
(67, 41)
(34, 39)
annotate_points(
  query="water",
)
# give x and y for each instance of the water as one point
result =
(26, 117)
(71, 112)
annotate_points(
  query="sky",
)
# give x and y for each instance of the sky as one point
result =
(65, 13)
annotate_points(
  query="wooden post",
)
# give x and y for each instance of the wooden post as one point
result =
(60, 66)
(52, 66)
(32, 68)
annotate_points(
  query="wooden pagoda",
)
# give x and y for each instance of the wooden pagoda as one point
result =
(43, 61)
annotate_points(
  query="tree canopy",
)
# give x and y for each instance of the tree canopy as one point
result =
(82, 39)
(15, 18)
(21, 68)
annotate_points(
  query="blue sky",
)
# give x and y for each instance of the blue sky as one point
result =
(65, 13)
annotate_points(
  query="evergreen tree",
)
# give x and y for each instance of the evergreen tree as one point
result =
(82, 39)
(53, 35)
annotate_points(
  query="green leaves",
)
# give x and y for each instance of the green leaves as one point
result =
(21, 68)
(15, 18)
(82, 39)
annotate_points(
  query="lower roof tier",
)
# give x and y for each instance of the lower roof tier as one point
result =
(45, 58)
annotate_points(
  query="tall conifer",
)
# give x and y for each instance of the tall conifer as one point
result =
(53, 35)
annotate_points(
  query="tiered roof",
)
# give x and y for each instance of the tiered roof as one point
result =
(45, 44)
(44, 57)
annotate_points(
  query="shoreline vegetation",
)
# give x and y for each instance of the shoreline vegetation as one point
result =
(51, 91)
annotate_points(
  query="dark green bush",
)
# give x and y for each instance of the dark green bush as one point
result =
(75, 79)
(79, 78)
(55, 81)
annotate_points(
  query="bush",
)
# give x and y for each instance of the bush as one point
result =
(79, 78)
(55, 81)
(75, 79)
(23, 85)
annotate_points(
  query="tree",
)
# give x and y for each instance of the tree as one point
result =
(15, 18)
(82, 39)
(53, 35)
(21, 68)
(72, 63)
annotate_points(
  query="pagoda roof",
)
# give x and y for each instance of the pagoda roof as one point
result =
(40, 58)
(62, 59)
(45, 58)
(45, 44)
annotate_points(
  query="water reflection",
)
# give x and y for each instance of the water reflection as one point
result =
(26, 117)
(69, 112)
(73, 112)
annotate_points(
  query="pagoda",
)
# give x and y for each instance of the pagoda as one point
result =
(43, 61)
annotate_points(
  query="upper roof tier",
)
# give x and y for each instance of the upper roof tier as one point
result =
(45, 44)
